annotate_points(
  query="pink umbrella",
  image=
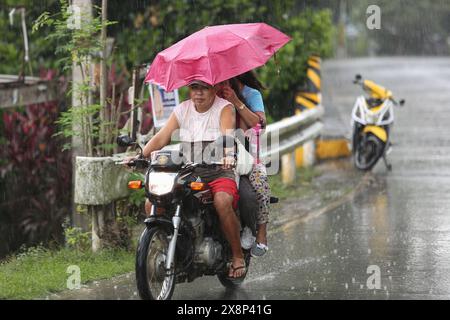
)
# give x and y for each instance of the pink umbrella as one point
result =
(215, 54)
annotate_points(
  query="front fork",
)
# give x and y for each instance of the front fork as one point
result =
(385, 153)
(173, 242)
(356, 136)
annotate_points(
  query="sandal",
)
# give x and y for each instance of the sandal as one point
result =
(258, 249)
(234, 269)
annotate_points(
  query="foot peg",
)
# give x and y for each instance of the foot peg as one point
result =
(274, 200)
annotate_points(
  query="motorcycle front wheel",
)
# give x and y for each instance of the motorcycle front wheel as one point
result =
(367, 154)
(153, 282)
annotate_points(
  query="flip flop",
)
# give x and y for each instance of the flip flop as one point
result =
(238, 268)
(258, 249)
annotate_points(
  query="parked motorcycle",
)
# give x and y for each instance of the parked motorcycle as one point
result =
(185, 241)
(372, 120)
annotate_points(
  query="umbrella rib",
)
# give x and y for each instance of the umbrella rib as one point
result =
(254, 50)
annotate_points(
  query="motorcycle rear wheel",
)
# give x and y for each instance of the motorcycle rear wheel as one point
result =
(152, 281)
(367, 156)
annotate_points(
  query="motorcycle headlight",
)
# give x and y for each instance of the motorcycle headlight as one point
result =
(160, 183)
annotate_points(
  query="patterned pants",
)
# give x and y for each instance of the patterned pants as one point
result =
(260, 182)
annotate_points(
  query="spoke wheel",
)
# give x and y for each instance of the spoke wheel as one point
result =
(153, 282)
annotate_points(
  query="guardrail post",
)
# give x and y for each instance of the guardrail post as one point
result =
(309, 153)
(299, 157)
(288, 169)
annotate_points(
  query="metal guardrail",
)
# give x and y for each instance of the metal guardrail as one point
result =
(293, 132)
(290, 132)
(99, 181)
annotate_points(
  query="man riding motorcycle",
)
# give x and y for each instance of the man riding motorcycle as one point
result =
(201, 120)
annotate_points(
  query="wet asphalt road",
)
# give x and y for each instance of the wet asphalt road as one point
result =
(398, 225)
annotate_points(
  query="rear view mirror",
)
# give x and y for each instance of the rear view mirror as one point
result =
(358, 78)
(402, 102)
(125, 141)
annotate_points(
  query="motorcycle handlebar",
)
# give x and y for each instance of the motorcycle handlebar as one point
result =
(210, 164)
(143, 163)
(400, 103)
(137, 163)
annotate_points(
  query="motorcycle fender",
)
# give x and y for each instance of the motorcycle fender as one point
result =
(379, 132)
(159, 221)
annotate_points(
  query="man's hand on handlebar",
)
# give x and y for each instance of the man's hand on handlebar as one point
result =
(229, 162)
(130, 161)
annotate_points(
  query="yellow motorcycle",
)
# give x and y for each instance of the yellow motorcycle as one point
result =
(372, 120)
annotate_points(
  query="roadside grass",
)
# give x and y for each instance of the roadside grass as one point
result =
(300, 187)
(38, 271)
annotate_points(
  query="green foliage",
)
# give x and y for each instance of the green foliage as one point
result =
(77, 239)
(311, 33)
(79, 46)
(37, 272)
(11, 39)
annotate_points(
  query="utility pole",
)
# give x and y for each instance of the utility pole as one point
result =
(101, 214)
(103, 72)
(84, 9)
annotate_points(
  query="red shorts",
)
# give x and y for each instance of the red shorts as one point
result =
(225, 185)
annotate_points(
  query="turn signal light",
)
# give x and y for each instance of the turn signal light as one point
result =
(135, 184)
(198, 186)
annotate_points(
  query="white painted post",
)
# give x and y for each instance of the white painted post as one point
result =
(309, 153)
(288, 168)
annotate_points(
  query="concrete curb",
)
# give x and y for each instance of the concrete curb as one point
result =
(332, 148)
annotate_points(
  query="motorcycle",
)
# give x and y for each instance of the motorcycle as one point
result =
(182, 239)
(372, 120)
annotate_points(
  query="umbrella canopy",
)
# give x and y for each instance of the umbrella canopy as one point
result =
(215, 54)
